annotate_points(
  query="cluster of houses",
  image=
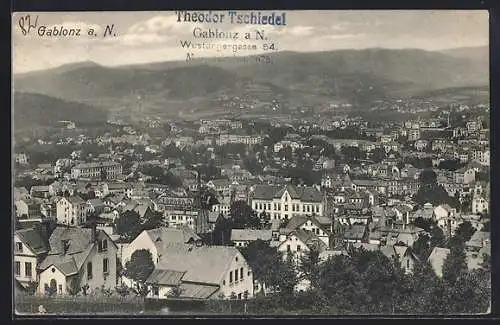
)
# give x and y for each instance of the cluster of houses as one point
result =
(367, 205)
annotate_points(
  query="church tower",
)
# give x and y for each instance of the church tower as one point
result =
(201, 224)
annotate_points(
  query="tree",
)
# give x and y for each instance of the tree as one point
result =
(31, 288)
(342, 283)
(154, 221)
(127, 224)
(140, 266)
(287, 277)
(455, 264)
(243, 216)
(450, 164)
(465, 231)
(430, 191)
(309, 267)
(378, 154)
(263, 261)
(422, 246)
(175, 292)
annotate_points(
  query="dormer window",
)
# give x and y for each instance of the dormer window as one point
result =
(19, 247)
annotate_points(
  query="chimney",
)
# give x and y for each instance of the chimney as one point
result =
(64, 246)
(94, 231)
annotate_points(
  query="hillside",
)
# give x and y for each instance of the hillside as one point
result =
(475, 53)
(174, 88)
(35, 110)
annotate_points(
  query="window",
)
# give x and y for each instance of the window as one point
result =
(19, 247)
(60, 289)
(223, 282)
(298, 248)
(407, 264)
(89, 270)
(288, 248)
(241, 273)
(18, 268)
(27, 269)
(156, 291)
(173, 217)
(239, 296)
(236, 275)
(286, 207)
(105, 266)
(230, 276)
(103, 245)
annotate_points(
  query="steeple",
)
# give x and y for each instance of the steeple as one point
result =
(201, 224)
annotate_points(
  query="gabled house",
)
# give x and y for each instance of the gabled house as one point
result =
(300, 241)
(201, 272)
(78, 257)
(30, 247)
(155, 240)
(96, 206)
(403, 254)
(283, 202)
(436, 259)
(311, 223)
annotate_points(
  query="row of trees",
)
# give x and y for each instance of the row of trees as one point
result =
(370, 282)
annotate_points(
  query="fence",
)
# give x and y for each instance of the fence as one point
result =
(67, 305)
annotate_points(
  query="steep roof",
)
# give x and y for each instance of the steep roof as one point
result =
(79, 246)
(165, 277)
(250, 234)
(33, 239)
(437, 258)
(203, 264)
(164, 236)
(303, 193)
(310, 239)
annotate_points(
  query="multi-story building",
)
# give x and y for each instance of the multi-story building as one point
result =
(481, 156)
(71, 211)
(413, 134)
(78, 257)
(284, 202)
(21, 158)
(235, 138)
(97, 170)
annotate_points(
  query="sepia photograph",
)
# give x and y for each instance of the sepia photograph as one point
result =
(251, 163)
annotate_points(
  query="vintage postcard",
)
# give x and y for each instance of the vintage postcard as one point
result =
(251, 163)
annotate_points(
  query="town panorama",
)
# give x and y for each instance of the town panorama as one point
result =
(315, 183)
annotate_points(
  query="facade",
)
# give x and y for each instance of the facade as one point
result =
(71, 211)
(29, 247)
(78, 257)
(284, 202)
(97, 170)
(202, 272)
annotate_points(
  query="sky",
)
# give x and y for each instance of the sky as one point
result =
(143, 37)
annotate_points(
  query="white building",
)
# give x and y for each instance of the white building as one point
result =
(284, 202)
(71, 211)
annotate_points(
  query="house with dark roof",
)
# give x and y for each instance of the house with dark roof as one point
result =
(284, 202)
(403, 254)
(298, 242)
(320, 226)
(30, 247)
(201, 272)
(77, 257)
